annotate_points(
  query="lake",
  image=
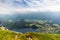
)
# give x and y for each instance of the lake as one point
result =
(24, 30)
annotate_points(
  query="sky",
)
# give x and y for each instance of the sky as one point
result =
(23, 6)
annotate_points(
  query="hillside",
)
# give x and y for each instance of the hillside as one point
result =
(46, 30)
(9, 35)
(27, 25)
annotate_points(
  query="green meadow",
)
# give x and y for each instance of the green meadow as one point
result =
(9, 35)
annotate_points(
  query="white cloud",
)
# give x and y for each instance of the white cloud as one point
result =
(33, 6)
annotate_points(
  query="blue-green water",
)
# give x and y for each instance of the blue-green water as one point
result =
(24, 30)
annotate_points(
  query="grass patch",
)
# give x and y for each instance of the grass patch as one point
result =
(8, 35)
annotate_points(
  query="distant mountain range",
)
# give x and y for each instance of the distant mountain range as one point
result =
(37, 15)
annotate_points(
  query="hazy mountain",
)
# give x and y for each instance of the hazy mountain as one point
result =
(37, 15)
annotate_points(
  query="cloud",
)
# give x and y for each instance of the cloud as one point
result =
(22, 6)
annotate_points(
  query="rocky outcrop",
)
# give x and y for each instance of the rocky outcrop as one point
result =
(3, 28)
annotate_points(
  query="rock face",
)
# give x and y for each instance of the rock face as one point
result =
(3, 28)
